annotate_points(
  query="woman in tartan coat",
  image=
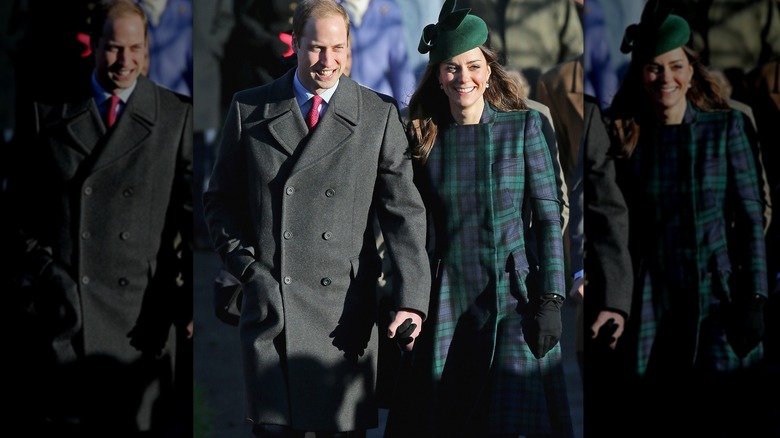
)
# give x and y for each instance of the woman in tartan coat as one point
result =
(488, 362)
(688, 173)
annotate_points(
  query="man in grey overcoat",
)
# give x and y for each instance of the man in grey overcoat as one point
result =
(101, 206)
(290, 210)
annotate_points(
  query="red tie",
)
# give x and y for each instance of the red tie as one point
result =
(111, 118)
(314, 114)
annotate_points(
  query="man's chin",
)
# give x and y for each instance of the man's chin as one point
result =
(327, 82)
(123, 83)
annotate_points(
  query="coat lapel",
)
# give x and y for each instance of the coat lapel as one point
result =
(83, 124)
(336, 125)
(135, 124)
(287, 125)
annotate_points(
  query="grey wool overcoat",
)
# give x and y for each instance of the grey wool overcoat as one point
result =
(102, 222)
(290, 213)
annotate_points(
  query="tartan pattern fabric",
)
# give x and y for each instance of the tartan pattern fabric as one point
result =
(481, 176)
(688, 182)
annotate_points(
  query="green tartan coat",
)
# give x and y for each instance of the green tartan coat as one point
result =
(473, 370)
(696, 240)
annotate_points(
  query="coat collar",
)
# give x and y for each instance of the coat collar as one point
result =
(87, 130)
(344, 102)
(289, 129)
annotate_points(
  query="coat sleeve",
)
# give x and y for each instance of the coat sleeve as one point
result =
(543, 199)
(608, 267)
(402, 219)
(746, 202)
(175, 255)
(224, 200)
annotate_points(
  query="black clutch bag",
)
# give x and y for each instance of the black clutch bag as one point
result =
(227, 297)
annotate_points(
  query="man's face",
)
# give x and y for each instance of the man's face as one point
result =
(322, 52)
(120, 53)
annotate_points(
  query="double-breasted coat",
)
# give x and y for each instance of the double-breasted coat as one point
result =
(103, 227)
(290, 214)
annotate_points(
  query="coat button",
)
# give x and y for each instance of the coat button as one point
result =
(288, 235)
(290, 190)
(325, 281)
(128, 192)
(327, 235)
(87, 190)
(85, 280)
(330, 193)
(124, 235)
(287, 280)
(123, 282)
(86, 235)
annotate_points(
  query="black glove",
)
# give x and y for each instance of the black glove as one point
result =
(403, 334)
(745, 324)
(606, 332)
(544, 330)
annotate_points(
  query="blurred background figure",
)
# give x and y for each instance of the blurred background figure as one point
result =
(170, 43)
(415, 15)
(617, 16)
(601, 79)
(532, 35)
(259, 47)
(59, 29)
(13, 23)
(213, 20)
(380, 58)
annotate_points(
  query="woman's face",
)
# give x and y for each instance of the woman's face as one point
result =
(464, 79)
(666, 79)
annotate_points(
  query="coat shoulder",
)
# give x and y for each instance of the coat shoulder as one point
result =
(375, 99)
(171, 100)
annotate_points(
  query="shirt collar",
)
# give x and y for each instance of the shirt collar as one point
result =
(101, 95)
(302, 95)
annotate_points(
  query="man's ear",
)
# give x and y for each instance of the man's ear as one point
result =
(294, 43)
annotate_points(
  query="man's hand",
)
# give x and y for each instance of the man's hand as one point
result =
(405, 332)
(577, 291)
(603, 323)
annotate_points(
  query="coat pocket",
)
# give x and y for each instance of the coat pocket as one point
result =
(507, 177)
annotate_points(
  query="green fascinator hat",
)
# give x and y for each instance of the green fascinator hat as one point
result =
(658, 32)
(457, 32)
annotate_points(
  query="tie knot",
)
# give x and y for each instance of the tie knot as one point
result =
(314, 113)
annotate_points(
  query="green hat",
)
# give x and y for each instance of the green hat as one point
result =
(658, 31)
(456, 32)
